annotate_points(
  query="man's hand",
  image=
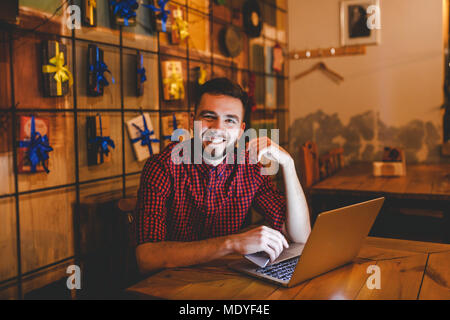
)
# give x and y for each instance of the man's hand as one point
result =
(259, 239)
(266, 147)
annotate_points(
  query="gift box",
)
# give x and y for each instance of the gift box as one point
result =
(178, 120)
(56, 76)
(179, 27)
(159, 15)
(124, 12)
(98, 132)
(90, 13)
(173, 85)
(96, 69)
(143, 138)
(141, 77)
(175, 33)
(41, 129)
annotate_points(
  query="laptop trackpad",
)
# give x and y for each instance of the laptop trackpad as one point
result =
(262, 259)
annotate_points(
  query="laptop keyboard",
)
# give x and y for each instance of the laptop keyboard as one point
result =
(282, 270)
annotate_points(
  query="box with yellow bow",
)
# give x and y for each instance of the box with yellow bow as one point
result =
(57, 77)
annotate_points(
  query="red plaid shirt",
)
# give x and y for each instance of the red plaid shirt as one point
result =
(191, 202)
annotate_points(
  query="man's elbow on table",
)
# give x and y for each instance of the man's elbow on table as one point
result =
(147, 258)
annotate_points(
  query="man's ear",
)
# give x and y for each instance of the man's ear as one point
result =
(242, 129)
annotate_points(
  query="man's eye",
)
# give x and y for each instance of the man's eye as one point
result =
(231, 121)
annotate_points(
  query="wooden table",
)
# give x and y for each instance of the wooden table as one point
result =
(425, 187)
(409, 270)
(422, 182)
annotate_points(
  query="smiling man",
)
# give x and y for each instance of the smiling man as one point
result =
(193, 213)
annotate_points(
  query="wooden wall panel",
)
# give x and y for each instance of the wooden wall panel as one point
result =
(44, 277)
(5, 74)
(199, 39)
(217, 49)
(107, 169)
(141, 36)
(199, 5)
(164, 37)
(132, 185)
(46, 227)
(28, 70)
(150, 98)
(6, 154)
(62, 158)
(8, 239)
(101, 190)
(175, 104)
(111, 93)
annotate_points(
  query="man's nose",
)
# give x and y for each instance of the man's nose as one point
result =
(217, 124)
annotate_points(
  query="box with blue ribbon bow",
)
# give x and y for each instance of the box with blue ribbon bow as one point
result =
(143, 138)
(99, 141)
(96, 71)
(34, 146)
(124, 12)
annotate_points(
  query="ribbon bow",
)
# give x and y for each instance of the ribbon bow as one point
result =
(182, 27)
(126, 9)
(174, 125)
(62, 73)
(201, 75)
(102, 142)
(38, 147)
(145, 136)
(141, 71)
(99, 67)
(164, 14)
(176, 87)
(92, 4)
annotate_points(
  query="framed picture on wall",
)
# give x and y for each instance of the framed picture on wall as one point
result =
(360, 22)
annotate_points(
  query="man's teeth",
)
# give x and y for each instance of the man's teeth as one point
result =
(217, 140)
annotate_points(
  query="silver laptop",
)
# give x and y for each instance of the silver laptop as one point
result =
(335, 240)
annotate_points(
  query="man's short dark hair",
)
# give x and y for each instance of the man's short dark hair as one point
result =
(226, 87)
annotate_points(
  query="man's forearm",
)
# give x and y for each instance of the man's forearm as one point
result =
(298, 226)
(159, 255)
